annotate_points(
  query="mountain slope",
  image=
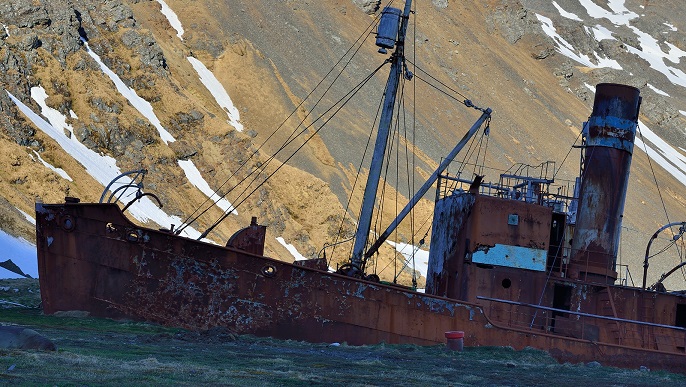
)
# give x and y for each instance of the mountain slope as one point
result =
(267, 56)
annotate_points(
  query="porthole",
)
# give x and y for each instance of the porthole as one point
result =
(132, 236)
(67, 223)
(269, 271)
(506, 283)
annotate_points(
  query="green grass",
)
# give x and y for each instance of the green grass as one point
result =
(106, 352)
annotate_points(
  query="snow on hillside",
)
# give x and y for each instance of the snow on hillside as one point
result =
(63, 174)
(649, 50)
(21, 252)
(102, 168)
(415, 258)
(206, 76)
(291, 249)
(143, 106)
(218, 92)
(193, 175)
(173, 19)
(28, 217)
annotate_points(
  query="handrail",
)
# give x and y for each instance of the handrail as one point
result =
(580, 313)
(682, 230)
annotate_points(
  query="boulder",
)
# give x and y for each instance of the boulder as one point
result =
(16, 337)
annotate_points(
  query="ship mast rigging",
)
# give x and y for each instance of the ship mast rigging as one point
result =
(391, 33)
(388, 23)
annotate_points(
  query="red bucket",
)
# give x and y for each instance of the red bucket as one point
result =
(455, 340)
(454, 335)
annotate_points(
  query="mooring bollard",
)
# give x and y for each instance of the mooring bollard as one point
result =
(455, 340)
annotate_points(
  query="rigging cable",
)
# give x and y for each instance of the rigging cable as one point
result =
(567, 155)
(358, 43)
(357, 177)
(344, 100)
(389, 142)
(414, 147)
(466, 101)
(359, 169)
(416, 248)
(659, 192)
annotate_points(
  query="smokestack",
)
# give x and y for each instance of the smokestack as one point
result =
(609, 146)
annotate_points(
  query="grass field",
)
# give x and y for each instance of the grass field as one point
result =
(105, 352)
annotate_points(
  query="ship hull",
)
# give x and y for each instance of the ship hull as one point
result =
(91, 258)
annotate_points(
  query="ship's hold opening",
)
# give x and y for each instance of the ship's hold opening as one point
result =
(680, 315)
(562, 299)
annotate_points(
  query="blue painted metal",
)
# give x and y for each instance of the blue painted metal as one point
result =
(511, 256)
(387, 32)
(617, 133)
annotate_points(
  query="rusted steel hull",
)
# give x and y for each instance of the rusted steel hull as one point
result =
(92, 258)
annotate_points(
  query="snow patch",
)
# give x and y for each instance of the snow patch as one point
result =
(139, 103)
(218, 92)
(652, 53)
(566, 49)
(649, 48)
(28, 217)
(193, 175)
(291, 249)
(7, 30)
(671, 27)
(600, 33)
(658, 91)
(566, 14)
(59, 171)
(619, 14)
(667, 157)
(22, 252)
(102, 168)
(421, 257)
(172, 18)
(56, 118)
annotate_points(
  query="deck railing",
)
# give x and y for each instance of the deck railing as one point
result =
(585, 326)
(532, 188)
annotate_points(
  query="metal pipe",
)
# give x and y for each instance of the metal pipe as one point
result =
(650, 242)
(580, 313)
(141, 171)
(609, 147)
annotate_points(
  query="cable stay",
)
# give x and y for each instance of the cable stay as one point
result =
(346, 60)
(391, 29)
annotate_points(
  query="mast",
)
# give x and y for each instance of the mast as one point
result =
(397, 61)
(429, 182)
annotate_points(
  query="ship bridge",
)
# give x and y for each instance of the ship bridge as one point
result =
(520, 224)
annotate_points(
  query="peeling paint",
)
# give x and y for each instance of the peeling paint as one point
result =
(195, 285)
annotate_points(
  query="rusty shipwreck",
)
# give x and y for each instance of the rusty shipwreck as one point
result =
(514, 262)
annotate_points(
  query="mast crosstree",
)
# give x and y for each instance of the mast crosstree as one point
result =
(389, 20)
